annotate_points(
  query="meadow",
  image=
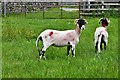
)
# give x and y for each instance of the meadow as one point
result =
(19, 52)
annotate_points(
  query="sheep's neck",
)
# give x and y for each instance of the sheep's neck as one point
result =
(77, 29)
(103, 25)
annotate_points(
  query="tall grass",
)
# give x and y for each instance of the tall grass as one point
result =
(19, 52)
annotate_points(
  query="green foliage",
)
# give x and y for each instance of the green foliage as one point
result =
(110, 13)
(10, 34)
(19, 52)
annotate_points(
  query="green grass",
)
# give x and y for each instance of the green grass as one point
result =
(19, 51)
(50, 13)
(0, 47)
(56, 13)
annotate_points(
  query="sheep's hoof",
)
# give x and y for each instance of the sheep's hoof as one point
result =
(95, 51)
(39, 59)
(97, 55)
(68, 55)
(44, 58)
(73, 56)
(99, 52)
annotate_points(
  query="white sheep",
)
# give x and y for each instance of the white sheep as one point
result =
(67, 38)
(101, 35)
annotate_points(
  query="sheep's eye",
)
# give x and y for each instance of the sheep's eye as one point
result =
(84, 22)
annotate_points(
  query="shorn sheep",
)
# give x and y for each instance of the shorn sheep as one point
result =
(101, 35)
(67, 38)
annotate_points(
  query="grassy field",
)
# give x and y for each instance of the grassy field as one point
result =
(19, 51)
(0, 47)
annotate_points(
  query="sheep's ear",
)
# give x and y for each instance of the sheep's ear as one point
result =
(85, 21)
(100, 20)
(76, 20)
(108, 20)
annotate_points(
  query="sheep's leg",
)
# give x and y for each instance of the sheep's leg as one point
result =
(73, 49)
(96, 46)
(101, 46)
(105, 40)
(99, 42)
(42, 52)
(105, 45)
(68, 50)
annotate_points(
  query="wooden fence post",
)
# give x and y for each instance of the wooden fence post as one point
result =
(0, 9)
(25, 8)
(79, 9)
(61, 11)
(88, 4)
(102, 5)
(43, 11)
(4, 3)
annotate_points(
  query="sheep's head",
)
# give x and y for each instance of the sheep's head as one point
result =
(81, 23)
(104, 21)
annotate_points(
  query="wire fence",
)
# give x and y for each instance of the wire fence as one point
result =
(43, 9)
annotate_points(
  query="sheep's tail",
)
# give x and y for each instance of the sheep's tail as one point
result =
(37, 41)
